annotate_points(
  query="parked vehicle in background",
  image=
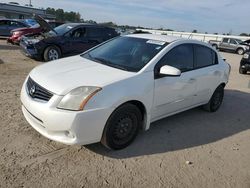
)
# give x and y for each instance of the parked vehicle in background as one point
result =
(35, 29)
(30, 21)
(64, 40)
(230, 44)
(245, 63)
(247, 42)
(6, 25)
(112, 91)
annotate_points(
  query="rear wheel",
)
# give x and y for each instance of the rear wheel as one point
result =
(242, 71)
(52, 53)
(122, 127)
(216, 100)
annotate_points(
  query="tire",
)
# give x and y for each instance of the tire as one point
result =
(242, 71)
(240, 51)
(216, 100)
(122, 127)
(215, 46)
(52, 53)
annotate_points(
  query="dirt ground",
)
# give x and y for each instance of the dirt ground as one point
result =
(217, 144)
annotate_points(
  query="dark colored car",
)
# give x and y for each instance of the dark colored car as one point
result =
(67, 39)
(245, 63)
(35, 29)
(6, 25)
(247, 42)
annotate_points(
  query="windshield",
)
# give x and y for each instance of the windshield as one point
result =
(126, 53)
(62, 29)
(35, 26)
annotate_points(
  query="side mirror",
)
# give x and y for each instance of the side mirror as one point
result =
(169, 71)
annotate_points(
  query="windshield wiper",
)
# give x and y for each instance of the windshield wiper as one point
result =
(107, 62)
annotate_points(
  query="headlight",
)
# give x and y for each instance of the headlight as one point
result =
(33, 41)
(246, 56)
(78, 98)
(17, 33)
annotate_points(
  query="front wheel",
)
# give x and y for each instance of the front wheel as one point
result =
(240, 51)
(52, 53)
(122, 127)
(242, 71)
(216, 100)
(215, 46)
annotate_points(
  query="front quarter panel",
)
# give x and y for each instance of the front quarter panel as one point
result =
(139, 87)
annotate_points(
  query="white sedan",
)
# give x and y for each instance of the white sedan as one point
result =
(114, 90)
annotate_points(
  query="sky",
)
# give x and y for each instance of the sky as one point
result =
(212, 16)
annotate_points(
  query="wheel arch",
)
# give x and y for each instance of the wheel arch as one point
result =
(50, 45)
(141, 106)
(239, 49)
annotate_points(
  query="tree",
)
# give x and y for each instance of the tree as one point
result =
(244, 34)
(194, 31)
(61, 15)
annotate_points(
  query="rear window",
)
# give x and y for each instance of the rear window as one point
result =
(204, 56)
(95, 32)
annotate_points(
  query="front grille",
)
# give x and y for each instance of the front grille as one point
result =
(36, 91)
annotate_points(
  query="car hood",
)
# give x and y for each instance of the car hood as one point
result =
(43, 24)
(61, 76)
(20, 29)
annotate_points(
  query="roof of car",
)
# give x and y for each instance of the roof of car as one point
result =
(84, 24)
(164, 38)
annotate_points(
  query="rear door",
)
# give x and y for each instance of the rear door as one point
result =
(95, 35)
(207, 72)
(233, 44)
(225, 44)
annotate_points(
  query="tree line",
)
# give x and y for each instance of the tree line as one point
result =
(64, 16)
(71, 16)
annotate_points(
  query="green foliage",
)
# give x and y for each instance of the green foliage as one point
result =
(244, 34)
(63, 16)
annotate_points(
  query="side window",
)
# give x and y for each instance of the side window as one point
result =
(180, 57)
(225, 40)
(3, 23)
(204, 56)
(232, 41)
(95, 32)
(78, 33)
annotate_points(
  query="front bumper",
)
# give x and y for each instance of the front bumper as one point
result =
(68, 127)
(30, 51)
(245, 64)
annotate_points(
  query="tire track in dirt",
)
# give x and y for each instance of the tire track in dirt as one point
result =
(45, 157)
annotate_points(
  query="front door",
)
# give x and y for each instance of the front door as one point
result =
(172, 94)
(76, 41)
